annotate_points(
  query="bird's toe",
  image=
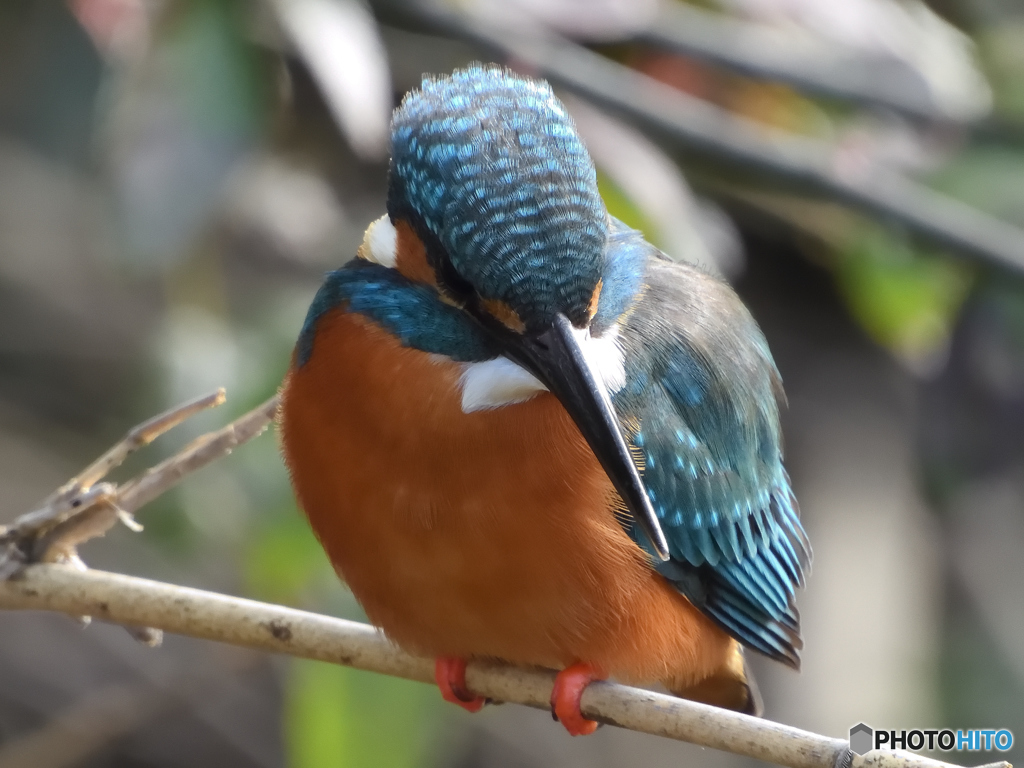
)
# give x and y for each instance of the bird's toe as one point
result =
(566, 695)
(450, 674)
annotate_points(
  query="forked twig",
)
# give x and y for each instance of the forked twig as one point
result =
(85, 508)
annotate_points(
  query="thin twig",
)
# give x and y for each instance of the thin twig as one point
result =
(137, 437)
(145, 433)
(746, 146)
(84, 509)
(202, 451)
(130, 600)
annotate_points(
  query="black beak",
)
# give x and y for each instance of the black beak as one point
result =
(556, 358)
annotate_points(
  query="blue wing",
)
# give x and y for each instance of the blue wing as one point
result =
(701, 406)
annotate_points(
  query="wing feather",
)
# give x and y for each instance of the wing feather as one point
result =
(702, 402)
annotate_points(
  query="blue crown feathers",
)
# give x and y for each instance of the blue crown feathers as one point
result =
(487, 166)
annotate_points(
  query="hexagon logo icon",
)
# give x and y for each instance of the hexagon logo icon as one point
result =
(861, 738)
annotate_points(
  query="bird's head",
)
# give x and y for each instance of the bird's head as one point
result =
(488, 169)
(490, 179)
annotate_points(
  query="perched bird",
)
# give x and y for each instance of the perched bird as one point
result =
(521, 433)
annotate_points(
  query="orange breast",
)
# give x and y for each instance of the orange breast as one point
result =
(482, 534)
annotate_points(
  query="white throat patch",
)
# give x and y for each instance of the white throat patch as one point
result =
(380, 243)
(498, 382)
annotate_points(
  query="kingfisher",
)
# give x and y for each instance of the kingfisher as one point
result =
(521, 432)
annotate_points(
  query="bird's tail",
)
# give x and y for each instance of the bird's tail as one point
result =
(731, 687)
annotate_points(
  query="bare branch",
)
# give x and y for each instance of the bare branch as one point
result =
(204, 450)
(145, 433)
(84, 509)
(129, 600)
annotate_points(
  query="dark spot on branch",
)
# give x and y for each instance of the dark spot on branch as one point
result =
(104, 607)
(280, 630)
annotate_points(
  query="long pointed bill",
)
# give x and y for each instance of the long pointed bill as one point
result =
(557, 359)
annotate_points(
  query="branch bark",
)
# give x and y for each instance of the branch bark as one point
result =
(130, 600)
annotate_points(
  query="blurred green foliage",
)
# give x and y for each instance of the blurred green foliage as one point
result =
(225, 80)
(283, 558)
(343, 717)
(906, 300)
(624, 209)
(989, 176)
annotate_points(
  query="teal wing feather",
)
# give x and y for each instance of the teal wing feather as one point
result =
(701, 404)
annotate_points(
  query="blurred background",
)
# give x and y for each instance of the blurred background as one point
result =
(176, 176)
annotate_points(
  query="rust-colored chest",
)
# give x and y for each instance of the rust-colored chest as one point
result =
(481, 534)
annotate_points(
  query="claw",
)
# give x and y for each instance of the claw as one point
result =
(565, 698)
(450, 674)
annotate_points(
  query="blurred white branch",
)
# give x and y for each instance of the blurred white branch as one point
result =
(339, 42)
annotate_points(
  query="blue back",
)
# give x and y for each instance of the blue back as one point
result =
(703, 390)
(487, 166)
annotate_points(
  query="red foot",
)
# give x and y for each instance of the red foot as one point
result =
(565, 698)
(450, 675)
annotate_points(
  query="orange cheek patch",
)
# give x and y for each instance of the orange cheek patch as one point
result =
(595, 299)
(411, 256)
(504, 314)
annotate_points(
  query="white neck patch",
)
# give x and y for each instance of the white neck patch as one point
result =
(498, 382)
(380, 243)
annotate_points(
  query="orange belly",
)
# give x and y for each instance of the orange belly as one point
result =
(483, 534)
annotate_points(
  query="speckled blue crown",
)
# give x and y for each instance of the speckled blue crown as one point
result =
(490, 164)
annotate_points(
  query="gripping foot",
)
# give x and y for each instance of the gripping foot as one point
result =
(450, 674)
(565, 698)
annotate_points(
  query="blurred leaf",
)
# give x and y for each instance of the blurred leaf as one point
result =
(50, 74)
(621, 207)
(192, 111)
(339, 42)
(336, 716)
(906, 301)
(1002, 48)
(778, 106)
(283, 558)
(989, 177)
(222, 79)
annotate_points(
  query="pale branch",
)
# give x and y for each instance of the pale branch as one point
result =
(251, 624)
(145, 433)
(85, 508)
(203, 450)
